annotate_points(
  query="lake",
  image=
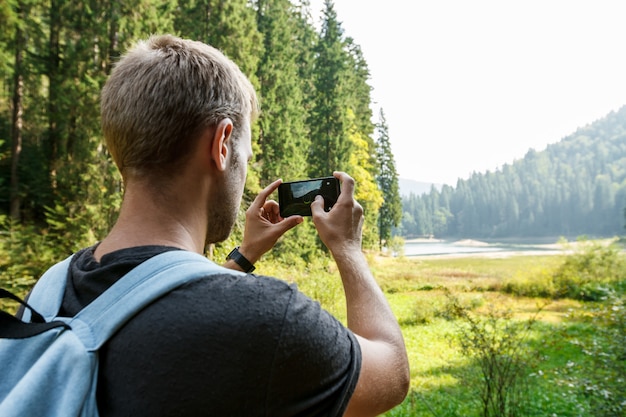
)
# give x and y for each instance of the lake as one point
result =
(425, 247)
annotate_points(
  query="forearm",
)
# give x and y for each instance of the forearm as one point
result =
(384, 377)
(368, 312)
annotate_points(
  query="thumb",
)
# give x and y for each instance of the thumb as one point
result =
(317, 206)
(289, 223)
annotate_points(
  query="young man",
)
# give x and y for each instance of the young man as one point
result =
(176, 117)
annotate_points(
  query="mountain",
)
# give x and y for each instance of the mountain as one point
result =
(574, 187)
(408, 187)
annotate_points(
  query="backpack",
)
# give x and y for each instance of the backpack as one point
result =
(50, 365)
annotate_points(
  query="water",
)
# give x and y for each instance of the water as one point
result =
(468, 247)
(446, 248)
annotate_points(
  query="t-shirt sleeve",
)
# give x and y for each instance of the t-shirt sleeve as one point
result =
(317, 362)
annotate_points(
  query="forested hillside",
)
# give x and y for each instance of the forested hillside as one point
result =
(574, 187)
(57, 180)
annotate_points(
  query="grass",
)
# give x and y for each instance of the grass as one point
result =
(560, 381)
(443, 380)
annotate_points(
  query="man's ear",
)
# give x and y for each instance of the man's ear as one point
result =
(220, 146)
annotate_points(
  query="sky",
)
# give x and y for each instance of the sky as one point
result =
(468, 86)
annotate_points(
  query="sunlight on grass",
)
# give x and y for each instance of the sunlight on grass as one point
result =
(562, 342)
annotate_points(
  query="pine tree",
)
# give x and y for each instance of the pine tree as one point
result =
(283, 136)
(330, 146)
(390, 212)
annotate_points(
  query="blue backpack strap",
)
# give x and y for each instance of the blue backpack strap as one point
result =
(98, 321)
(47, 295)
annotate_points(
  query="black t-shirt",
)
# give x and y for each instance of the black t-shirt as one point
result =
(227, 345)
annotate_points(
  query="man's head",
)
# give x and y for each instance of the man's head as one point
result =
(162, 95)
(162, 99)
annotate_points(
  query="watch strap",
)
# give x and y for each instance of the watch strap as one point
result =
(241, 260)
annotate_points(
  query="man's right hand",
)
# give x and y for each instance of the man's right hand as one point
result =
(340, 228)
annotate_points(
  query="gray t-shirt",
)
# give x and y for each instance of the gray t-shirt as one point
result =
(227, 345)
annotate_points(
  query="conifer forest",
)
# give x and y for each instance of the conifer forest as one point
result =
(58, 182)
(574, 187)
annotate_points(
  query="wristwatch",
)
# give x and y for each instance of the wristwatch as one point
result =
(240, 260)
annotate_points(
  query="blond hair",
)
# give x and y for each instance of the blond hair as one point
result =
(162, 94)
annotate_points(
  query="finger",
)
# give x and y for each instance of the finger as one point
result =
(259, 201)
(347, 184)
(273, 211)
(289, 223)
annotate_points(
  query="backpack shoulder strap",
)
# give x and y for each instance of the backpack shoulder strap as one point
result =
(47, 295)
(98, 321)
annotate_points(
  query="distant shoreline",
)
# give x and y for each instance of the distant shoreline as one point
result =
(501, 249)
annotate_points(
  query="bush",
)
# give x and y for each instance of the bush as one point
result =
(497, 346)
(605, 383)
(537, 283)
(25, 253)
(591, 274)
(396, 245)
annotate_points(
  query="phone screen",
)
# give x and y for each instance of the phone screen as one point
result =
(296, 197)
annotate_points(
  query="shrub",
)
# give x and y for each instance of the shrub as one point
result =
(605, 382)
(25, 253)
(590, 274)
(537, 283)
(497, 345)
(396, 245)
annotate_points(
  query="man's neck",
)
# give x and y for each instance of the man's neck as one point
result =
(145, 221)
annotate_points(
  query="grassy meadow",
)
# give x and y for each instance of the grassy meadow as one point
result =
(522, 335)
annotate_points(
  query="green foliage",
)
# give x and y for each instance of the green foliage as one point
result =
(284, 141)
(390, 212)
(533, 282)
(331, 148)
(497, 345)
(591, 273)
(312, 86)
(605, 384)
(396, 245)
(367, 193)
(25, 253)
(576, 349)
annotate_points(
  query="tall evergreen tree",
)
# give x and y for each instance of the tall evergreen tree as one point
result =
(358, 92)
(390, 212)
(330, 146)
(362, 167)
(283, 136)
(233, 28)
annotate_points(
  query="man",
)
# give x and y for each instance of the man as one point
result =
(176, 117)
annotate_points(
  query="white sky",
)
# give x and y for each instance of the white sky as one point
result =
(467, 86)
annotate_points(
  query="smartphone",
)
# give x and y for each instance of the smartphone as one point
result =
(296, 197)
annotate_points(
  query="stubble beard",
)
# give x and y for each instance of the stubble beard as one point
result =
(224, 206)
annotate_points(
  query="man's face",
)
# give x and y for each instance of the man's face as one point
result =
(224, 204)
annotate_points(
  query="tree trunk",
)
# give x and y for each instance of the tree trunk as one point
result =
(53, 68)
(17, 122)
